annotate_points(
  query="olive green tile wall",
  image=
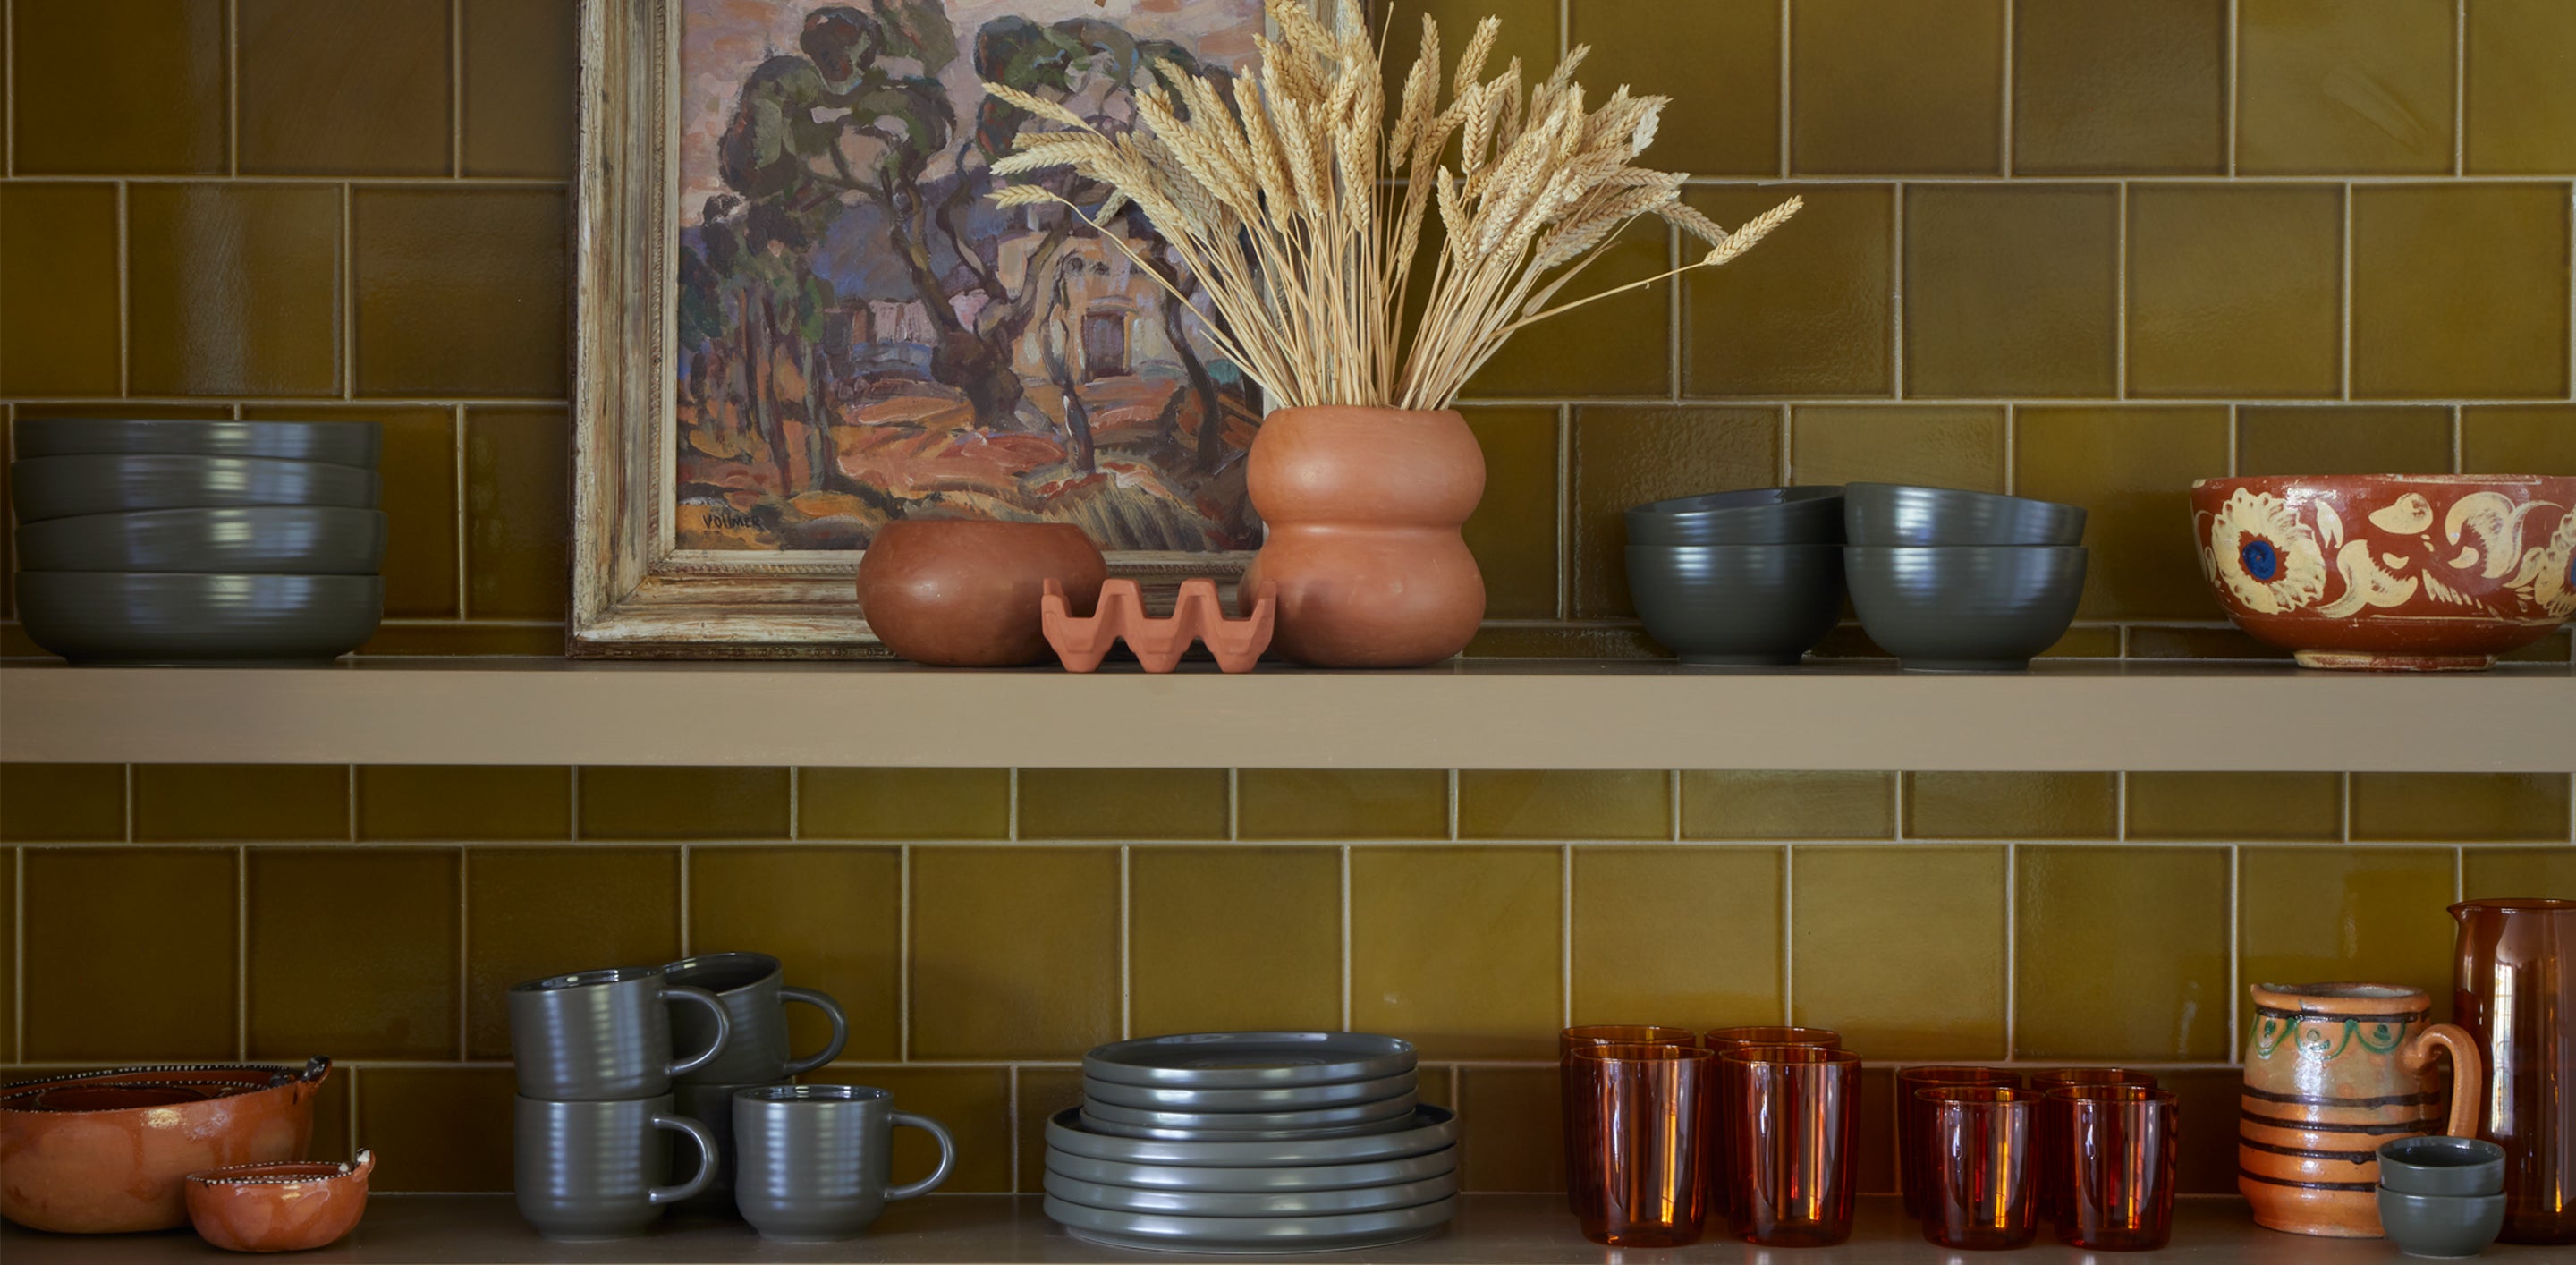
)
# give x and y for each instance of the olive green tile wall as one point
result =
(2074, 248)
(984, 926)
(314, 208)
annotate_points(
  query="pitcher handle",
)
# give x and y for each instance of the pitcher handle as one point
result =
(2466, 1073)
(714, 1007)
(831, 1009)
(947, 1156)
(707, 1159)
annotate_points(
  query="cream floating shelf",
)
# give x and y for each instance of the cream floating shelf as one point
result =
(1499, 714)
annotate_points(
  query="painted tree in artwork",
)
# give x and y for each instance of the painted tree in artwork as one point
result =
(833, 123)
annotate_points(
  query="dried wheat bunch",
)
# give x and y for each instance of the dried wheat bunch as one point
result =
(1299, 194)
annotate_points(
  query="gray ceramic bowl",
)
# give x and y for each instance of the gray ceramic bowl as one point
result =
(1752, 516)
(1904, 514)
(267, 539)
(2436, 1165)
(343, 443)
(110, 617)
(1965, 608)
(2443, 1227)
(91, 483)
(1737, 604)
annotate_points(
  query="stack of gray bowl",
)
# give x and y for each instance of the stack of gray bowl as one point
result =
(192, 542)
(1955, 581)
(1739, 578)
(1243, 1142)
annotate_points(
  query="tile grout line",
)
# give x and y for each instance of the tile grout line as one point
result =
(1896, 291)
(241, 953)
(348, 311)
(2343, 813)
(1565, 934)
(2459, 421)
(2231, 470)
(2010, 44)
(1346, 936)
(1789, 933)
(464, 591)
(9, 90)
(18, 954)
(1564, 519)
(1015, 806)
(455, 87)
(2235, 945)
(232, 87)
(350, 807)
(2012, 950)
(2459, 87)
(2012, 467)
(685, 949)
(124, 283)
(1234, 805)
(1012, 1109)
(1126, 958)
(1673, 314)
(1453, 805)
(795, 809)
(2120, 298)
(2234, 39)
(2120, 806)
(2459, 874)
(903, 964)
(465, 952)
(2343, 302)
(1786, 18)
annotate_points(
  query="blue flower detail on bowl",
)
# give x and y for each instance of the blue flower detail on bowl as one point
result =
(2266, 556)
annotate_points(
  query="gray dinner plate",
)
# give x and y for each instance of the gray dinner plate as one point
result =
(1118, 1129)
(1247, 1180)
(1435, 1128)
(348, 443)
(145, 617)
(249, 539)
(1156, 1232)
(1282, 1098)
(1250, 1060)
(1395, 1108)
(1277, 1203)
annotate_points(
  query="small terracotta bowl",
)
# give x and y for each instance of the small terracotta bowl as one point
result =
(285, 1206)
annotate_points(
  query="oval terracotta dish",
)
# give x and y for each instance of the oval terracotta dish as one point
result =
(282, 1207)
(964, 593)
(105, 1152)
(2391, 572)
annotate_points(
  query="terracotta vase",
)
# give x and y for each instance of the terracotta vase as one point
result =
(1364, 507)
(2390, 572)
(964, 593)
(106, 1152)
(2332, 1072)
(2516, 996)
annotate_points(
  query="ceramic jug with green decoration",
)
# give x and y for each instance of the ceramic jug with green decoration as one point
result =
(2331, 1072)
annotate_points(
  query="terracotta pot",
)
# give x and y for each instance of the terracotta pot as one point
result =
(106, 1152)
(1364, 507)
(2391, 572)
(2516, 995)
(963, 592)
(2332, 1072)
(282, 1207)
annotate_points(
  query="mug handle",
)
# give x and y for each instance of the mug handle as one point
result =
(724, 1026)
(947, 1156)
(697, 1182)
(832, 1012)
(2465, 1073)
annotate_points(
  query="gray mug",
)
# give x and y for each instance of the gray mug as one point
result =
(754, 995)
(594, 1170)
(814, 1163)
(597, 1035)
(712, 1106)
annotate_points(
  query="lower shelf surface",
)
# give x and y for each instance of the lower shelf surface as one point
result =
(1009, 1230)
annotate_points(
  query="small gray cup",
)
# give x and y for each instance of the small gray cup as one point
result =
(594, 1170)
(814, 1163)
(712, 1106)
(751, 987)
(2438, 1165)
(597, 1035)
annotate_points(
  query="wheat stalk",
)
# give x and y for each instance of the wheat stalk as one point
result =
(1299, 201)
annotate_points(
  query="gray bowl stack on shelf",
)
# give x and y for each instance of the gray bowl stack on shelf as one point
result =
(1736, 579)
(172, 542)
(1956, 581)
(1250, 1142)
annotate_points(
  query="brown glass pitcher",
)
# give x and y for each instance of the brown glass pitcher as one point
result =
(2516, 994)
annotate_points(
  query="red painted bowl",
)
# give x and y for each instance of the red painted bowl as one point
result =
(2391, 572)
(282, 1207)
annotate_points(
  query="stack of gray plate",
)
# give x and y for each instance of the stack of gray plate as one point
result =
(163, 541)
(1252, 1142)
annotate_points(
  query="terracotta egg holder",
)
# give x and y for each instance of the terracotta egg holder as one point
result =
(1083, 641)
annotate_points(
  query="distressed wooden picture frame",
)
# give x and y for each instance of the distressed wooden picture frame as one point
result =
(638, 592)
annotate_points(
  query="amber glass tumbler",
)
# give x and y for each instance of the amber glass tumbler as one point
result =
(1794, 1146)
(1635, 1124)
(1914, 1121)
(2050, 1142)
(1721, 1186)
(1981, 1190)
(1568, 1041)
(2120, 1157)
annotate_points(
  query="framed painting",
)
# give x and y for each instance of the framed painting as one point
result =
(801, 318)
